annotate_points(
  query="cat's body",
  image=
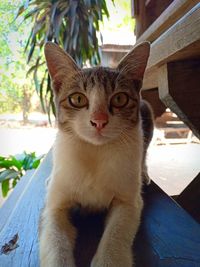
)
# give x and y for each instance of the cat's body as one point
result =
(99, 158)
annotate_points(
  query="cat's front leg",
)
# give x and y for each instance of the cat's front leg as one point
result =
(115, 248)
(57, 239)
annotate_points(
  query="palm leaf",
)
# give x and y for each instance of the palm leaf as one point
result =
(72, 24)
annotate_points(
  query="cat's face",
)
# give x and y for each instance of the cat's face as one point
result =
(99, 104)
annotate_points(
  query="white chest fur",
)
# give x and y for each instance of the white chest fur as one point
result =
(94, 175)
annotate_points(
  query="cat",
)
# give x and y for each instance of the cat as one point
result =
(98, 157)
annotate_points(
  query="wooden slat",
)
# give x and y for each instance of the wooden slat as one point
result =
(140, 17)
(180, 36)
(147, 2)
(181, 41)
(24, 221)
(10, 204)
(150, 79)
(168, 236)
(174, 12)
(134, 8)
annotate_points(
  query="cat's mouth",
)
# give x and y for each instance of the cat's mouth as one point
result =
(99, 133)
(97, 137)
(102, 137)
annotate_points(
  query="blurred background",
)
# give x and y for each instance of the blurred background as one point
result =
(98, 32)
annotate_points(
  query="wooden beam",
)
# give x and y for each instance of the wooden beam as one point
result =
(134, 8)
(189, 198)
(140, 16)
(152, 97)
(167, 229)
(180, 36)
(181, 41)
(180, 91)
(150, 79)
(174, 12)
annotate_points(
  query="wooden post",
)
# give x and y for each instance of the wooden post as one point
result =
(179, 89)
(153, 98)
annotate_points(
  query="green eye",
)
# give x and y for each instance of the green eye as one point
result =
(78, 100)
(119, 100)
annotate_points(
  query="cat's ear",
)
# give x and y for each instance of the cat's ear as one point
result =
(60, 65)
(134, 63)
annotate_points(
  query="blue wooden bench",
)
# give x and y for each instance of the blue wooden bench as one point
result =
(168, 236)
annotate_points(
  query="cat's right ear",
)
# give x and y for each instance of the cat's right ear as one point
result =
(134, 63)
(60, 65)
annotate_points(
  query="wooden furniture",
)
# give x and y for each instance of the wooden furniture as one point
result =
(168, 236)
(174, 64)
(174, 67)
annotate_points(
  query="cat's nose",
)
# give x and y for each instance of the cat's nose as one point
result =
(99, 120)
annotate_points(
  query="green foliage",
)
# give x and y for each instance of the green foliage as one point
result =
(12, 168)
(72, 24)
(13, 64)
(120, 16)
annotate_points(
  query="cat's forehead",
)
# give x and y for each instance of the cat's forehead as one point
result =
(105, 79)
(99, 77)
(100, 73)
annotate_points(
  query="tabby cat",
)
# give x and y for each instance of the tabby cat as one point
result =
(98, 157)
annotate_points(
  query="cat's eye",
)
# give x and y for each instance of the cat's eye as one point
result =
(119, 100)
(78, 100)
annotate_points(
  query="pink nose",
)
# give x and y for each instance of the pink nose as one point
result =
(99, 120)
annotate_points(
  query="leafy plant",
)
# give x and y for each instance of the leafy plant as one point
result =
(13, 82)
(12, 168)
(73, 24)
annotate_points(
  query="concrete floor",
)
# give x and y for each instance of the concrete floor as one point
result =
(173, 167)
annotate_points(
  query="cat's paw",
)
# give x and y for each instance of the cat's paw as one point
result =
(111, 258)
(57, 263)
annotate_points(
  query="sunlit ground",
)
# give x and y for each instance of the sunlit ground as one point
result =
(34, 137)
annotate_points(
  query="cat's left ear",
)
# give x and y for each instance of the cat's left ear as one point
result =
(134, 63)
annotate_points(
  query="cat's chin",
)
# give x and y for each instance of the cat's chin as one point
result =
(96, 140)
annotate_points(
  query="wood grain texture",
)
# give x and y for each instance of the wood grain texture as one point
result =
(182, 34)
(147, 11)
(180, 41)
(13, 199)
(168, 236)
(150, 79)
(140, 16)
(24, 221)
(170, 15)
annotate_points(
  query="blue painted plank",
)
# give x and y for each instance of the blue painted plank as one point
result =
(9, 205)
(171, 236)
(24, 221)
